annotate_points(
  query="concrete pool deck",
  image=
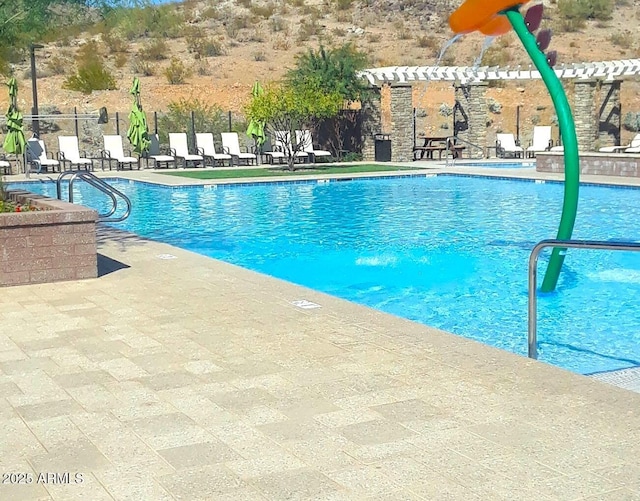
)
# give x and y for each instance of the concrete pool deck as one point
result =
(175, 376)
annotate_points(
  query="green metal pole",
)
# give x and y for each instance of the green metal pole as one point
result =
(569, 140)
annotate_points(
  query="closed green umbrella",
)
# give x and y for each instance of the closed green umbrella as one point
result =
(15, 141)
(255, 129)
(138, 133)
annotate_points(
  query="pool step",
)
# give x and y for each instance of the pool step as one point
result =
(629, 379)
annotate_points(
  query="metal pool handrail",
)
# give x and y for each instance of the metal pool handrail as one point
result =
(464, 141)
(100, 185)
(533, 275)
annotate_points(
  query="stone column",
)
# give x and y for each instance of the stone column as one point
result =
(610, 113)
(401, 123)
(371, 124)
(584, 110)
(471, 116)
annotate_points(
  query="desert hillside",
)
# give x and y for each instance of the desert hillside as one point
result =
(223, 47)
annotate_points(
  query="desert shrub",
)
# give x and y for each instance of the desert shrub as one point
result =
(120, 60)
(266, 11)
(277, 24)
(445, 110)
(373, 37)
(155, 50)
(114, 42)
(203, 46)
(343, 4)
(401, 30)
(163, 21)
(235, 24)
(494, 106)
(574, 13)
(496, 56)
(623, 40)
(142, 67)
(631, 121)
(176, 72)
(209, 118)
(281, 43)
(58, 65)
(308, 29)
(428, 42)
(259, 56)
(89, 77)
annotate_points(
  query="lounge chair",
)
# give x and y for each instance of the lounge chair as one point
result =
(231, 146)
(635, 143)
(282, 142)
(305, 138)
(114, 152)
(206, 148)
(157, 155)
(541, 140)
(180, 149)
(37, 156)
(70, 153)
(274, 152)
(506, 146)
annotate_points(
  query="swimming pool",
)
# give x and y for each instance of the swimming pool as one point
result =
(447, 251)
(513, 164)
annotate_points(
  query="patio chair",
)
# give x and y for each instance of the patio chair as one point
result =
(70, 153)
(506, 146)
(305, 138)
(541, 140)
(114, 152)
(273, 152)
(180, 149)
(635, 143)
(231, 146)
(37, 156)
(206, 148)
(158, 156)
(282, 142)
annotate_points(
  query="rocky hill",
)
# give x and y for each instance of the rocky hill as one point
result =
(225, 46)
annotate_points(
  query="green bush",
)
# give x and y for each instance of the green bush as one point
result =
(208, 118)
(91, 75)
(203, 46)
(631, 121)
(574, 13)
(155, 50)
(176, 72)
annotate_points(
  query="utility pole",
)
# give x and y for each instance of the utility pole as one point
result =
(34, 87)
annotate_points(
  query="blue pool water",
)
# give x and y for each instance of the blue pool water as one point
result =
(498, 165)
(447, 251)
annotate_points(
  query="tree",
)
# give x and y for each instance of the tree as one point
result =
(333, 70)
(286, 108)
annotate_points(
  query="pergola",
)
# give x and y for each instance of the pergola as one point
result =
(597, 118)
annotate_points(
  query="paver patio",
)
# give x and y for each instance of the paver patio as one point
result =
(175, 376)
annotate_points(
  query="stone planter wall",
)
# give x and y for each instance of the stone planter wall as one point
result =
(54, 244)
(604, 164)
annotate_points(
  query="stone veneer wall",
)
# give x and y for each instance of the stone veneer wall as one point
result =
(610, 113)
(401, 123)
(371, 124)
(54, 244)
(605, 164)
(471, 115)
(584, 109)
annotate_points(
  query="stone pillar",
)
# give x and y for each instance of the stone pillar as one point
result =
(371, 124)
(584, 110)
(470, 116)
(610, 113)
(401, 123)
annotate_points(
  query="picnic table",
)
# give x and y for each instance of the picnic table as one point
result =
(437, 143)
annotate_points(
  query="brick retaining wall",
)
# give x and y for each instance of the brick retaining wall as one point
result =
(604, 164)
(54, 244)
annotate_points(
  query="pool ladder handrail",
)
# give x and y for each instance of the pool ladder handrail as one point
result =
(463, 141)
(100, 185)
(533, 274)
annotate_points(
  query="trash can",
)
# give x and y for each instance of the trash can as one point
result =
(382, 144)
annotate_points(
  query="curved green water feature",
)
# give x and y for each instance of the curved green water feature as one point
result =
(569, 140)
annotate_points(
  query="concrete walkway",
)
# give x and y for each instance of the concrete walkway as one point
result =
(178, 377)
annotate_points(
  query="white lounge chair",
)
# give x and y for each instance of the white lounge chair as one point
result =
(70, 153)
(305, 138)
(180, 149)
(206, 148)
(114, 152)
(282, 142)
(541, 140)
(275, 152)
(635, 143)
(231, 146)
(37, 156)
(506, 146)
(155, 153)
